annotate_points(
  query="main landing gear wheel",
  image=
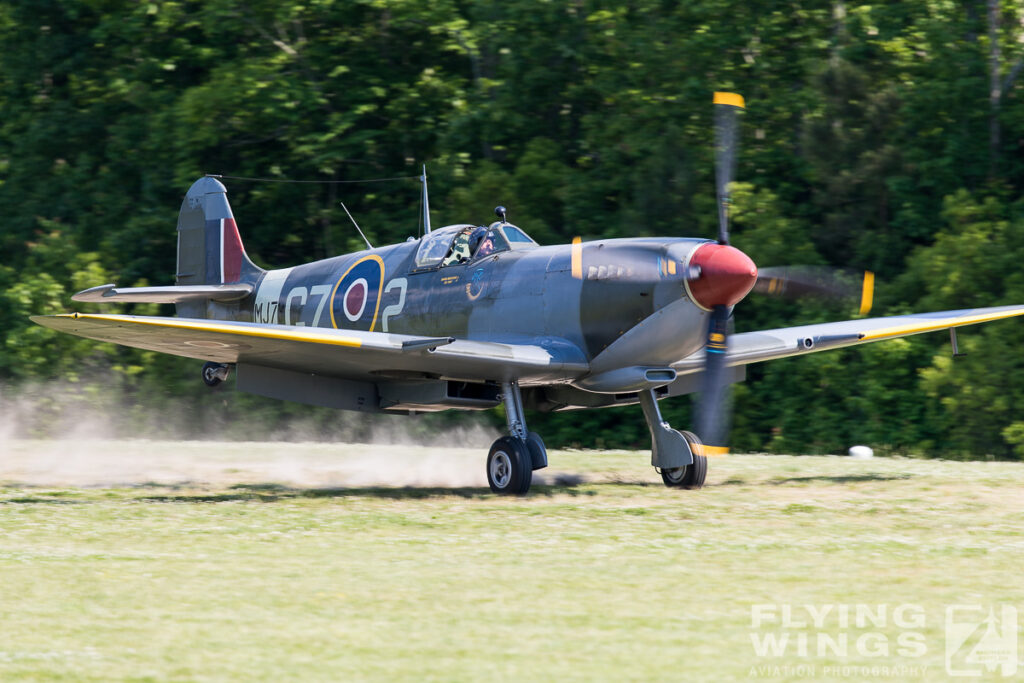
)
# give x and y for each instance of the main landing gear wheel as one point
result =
(509, 466)
(214, 373)
(690, 476)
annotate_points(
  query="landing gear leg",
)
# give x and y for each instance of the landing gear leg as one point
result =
(214, 373)
(513, 458)
(674, 454)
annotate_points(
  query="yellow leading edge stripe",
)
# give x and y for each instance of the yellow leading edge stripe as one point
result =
(705, 449)
(940, 324)
(730, 98)
(290, 335)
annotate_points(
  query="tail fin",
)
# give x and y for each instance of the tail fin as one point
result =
(210, 250)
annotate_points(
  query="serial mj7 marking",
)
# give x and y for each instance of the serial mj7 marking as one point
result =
(473, 316)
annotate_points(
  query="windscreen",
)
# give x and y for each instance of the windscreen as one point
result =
(433, 248)
(516, 236)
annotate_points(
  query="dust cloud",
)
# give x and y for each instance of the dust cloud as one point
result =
(60, 434)
(106, 463)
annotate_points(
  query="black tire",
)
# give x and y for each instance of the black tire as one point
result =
(691, 476)
(211, 374)
(538, 451)
(698, 471)
(509, 467)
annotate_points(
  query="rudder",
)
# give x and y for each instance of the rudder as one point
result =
(210, 249)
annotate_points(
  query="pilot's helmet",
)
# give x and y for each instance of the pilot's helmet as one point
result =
(474, 239)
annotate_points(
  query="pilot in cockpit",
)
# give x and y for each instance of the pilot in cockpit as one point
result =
(474, 243)
(490, 241)
(486, 245)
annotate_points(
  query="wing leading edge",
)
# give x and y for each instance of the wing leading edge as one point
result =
(349, 354)
(753, 347)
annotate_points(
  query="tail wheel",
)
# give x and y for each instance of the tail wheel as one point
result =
(214, 373)
(509, 466)
(690, 476)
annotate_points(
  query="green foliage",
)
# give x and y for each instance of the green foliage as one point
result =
(54, 270)
(1014, 435)
(865, 144)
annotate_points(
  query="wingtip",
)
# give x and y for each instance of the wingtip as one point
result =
(49, 321)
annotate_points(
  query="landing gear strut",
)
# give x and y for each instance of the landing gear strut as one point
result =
(674, 454)
(513, 458)
(214, 373)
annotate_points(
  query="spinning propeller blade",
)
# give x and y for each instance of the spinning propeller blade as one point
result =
(821, 282)
(713, 406)
(727, 107)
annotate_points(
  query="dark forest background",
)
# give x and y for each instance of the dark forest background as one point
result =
(888, 137)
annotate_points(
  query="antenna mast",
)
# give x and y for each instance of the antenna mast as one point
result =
(426, 202)
(368, 245)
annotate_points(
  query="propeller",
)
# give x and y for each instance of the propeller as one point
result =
(725, 275)
(712, 409)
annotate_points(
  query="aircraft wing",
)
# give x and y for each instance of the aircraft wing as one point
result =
(753, 347)
(350, 354)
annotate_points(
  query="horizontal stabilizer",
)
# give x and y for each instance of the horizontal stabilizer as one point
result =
(164, 295)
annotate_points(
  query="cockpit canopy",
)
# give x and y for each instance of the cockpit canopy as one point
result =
(456, 244)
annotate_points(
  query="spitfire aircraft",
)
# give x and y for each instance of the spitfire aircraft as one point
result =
(472, 316)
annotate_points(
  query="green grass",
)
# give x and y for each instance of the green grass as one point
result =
(234, 577)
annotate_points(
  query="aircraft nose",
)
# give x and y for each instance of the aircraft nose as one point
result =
(726, 275)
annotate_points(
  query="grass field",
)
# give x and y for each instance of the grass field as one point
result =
(277, 562)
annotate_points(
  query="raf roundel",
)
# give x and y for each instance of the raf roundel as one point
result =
(355, 302)
(355, 299)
